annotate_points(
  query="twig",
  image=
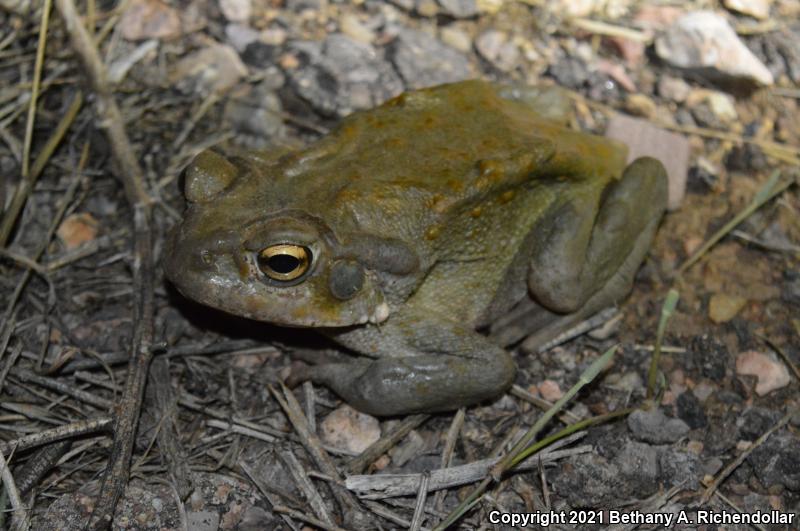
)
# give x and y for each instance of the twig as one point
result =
(738, 461)
(386, 513)
(269, 493)
(168, 440)
(74, 429)
(387, 441)
(40, 464)
(306, 486)
(282, 509)
(111, 120)
(419, 508)
(378, 486)
(449, 450)
(50, 383)
(348, 503)
(19, 516)
(566, 417)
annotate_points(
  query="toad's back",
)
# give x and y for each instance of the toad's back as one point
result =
(433, 154)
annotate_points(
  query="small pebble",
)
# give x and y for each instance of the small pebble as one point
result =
(349, 429)
(632, 51)
(690, 410)
(640, 105)
(351, 26)
(722, 307)
(696, 447)
(550, 390)
(77, 229)
(456, 38)
(236, 10)
(654, 427)
(673, 88)
(215, 68)
(459, 8)
(241, 36)
(411, 447)
(772, 374)
(630, 381)
(149, 19)
(497, 49)
(703, 390)
(576, 8)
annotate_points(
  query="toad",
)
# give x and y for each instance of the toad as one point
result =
(409, 229)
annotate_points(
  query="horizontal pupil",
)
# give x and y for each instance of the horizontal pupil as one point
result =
(283, 263)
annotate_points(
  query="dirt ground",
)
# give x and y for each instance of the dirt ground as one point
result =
(219, 444)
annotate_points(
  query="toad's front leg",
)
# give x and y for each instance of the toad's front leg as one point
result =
(420, 363)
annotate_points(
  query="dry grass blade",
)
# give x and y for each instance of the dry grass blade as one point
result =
(611, 30)
(26, 185)
(37, 78)
(666, 312)
(521, 450)
(19, 515)
(770, 190)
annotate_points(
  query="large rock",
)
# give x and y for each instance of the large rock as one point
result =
(424, 61)
(340, 75)
(705, 42)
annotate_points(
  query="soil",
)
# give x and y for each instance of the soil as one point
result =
(215, 448)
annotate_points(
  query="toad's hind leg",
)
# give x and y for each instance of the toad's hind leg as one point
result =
(581, 267)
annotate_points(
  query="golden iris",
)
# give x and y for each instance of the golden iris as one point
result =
(284, 262)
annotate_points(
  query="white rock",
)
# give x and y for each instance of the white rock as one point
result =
(755, 8)
(349, 429)
(673, 88)
(705, 40)
(722, 105)
(236, 10)
(217, 68)
(576, 8)
(771, 373)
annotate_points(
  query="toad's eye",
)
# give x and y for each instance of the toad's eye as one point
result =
(284, 262)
